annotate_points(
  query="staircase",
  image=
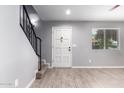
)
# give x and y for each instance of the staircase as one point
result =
(41, 73)
(35, 41)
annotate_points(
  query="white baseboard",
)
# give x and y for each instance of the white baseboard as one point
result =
(31, 82)
(36, 71)
(49, 65)
(43, 61)
(97, 66)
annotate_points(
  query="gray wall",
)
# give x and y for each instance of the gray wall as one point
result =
(17, 57)
(81, 36)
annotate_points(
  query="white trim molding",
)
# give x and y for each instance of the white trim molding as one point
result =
(48, 64)
(44, 61)
(97, 66)
(30, 83)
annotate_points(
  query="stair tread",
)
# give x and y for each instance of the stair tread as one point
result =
(43, 69)
(42, 72)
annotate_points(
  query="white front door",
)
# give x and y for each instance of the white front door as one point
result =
(61, 46)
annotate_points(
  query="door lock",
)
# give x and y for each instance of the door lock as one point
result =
(69, 48)
(61, 39)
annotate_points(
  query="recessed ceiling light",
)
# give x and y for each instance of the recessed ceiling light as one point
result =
(68, 12)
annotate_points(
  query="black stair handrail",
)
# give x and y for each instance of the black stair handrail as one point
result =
(29, 31)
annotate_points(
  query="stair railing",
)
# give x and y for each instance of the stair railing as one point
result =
(29, 31)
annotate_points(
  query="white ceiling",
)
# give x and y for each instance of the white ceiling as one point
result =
(80, 12)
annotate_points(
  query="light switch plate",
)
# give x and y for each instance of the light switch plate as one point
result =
(74, 45)
(90, 61)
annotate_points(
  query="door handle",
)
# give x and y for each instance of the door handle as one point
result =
(69, 48)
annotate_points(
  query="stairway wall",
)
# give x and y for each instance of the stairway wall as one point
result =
(18, 61)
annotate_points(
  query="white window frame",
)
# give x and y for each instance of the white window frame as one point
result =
(118, 31)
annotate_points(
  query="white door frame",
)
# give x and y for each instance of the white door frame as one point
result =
(55, 27)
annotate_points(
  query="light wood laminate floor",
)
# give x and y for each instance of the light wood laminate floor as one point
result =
(82, 78)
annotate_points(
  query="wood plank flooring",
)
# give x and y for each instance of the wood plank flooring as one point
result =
(81, 78)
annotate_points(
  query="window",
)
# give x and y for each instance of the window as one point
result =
(105, 38)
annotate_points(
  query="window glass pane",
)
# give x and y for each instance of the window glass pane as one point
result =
(111, 38)
(98, 39)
